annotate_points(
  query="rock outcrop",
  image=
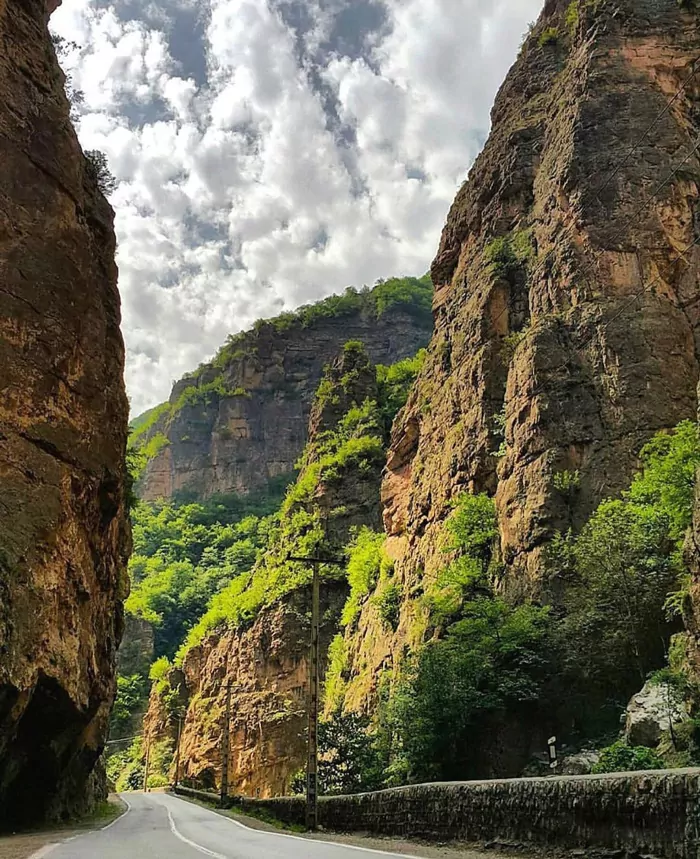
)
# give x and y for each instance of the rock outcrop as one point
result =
(566, 305)
(64, 537)
(266, 662)
(656, 709)
(240, 423)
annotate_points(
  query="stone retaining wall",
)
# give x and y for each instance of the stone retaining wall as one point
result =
(654, 813)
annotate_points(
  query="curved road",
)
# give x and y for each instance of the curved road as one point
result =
(159, 826)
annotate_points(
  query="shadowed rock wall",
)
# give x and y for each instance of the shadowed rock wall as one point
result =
(64, 536)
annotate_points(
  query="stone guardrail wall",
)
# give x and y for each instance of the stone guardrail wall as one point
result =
(655, 813)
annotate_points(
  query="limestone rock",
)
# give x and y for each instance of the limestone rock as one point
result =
(581, 763)
(652, 712)
(64, 536)
(241, 441)
(566, 304)
(267, 663)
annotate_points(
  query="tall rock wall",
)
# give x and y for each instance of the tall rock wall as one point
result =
(566, 306)
(64, 536)
(241, 440)
(266, 661)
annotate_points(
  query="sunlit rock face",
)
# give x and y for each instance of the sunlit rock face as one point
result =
(566, 309)
(64, 535)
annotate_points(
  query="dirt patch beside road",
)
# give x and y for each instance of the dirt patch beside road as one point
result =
(25, 845)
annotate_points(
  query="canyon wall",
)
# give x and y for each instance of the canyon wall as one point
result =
(566, 335)
(64, 536)
(264, 658)
(240, 422)
(566, 306)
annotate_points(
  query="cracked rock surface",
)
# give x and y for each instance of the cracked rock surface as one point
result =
(64, 536)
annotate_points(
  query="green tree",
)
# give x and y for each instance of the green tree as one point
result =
(492, 661)
(349, 760)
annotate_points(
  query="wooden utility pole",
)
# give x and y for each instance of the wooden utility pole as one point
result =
(225, 746)
(177, 750)
(314, 688)
(147, 766)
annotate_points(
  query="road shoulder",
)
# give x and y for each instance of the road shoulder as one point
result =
(419, 849)
(34, 844)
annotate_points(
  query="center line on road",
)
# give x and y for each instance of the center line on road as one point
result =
(335, 844)
(193, 844)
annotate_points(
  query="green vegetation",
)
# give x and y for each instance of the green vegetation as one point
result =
(510, 345)
(619, 757)
(97, 167)
(349, 758)
(131, 695)
(487, 664)
(491, 657)
(409, 294)
(507, 255)
(125, 769)
(566, 481)
(394, 386)
(141, 425)
(182, 558)
(366, 562)
(572, 17)
(549, 36)
(356, 446)
(617, 576)
(154, 446)
(498, 431)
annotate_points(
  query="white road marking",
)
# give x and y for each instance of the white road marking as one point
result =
(49, 848)
(187, 841)
(121, 816)
(305, 840)
(44, 851)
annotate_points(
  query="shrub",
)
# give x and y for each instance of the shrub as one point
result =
(154, 446)
(365, 561)
(550, 36)
(572, 17)
(387, 599)
(567, 481)
(97, 168)
(619, 757)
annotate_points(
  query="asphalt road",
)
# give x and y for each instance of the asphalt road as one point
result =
(159, 826)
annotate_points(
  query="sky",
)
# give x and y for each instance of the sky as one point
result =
(271, 152)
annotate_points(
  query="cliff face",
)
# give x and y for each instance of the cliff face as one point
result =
(266, 663)
(566, 304)
(64, 536)
(242, 421)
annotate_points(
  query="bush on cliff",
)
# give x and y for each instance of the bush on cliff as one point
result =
(619, 577)
(491, 658)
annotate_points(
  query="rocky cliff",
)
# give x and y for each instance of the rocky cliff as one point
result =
(240, 422)
(264, 655)
(64, 536)
(566, 304)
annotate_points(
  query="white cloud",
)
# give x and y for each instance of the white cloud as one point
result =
(263, 161)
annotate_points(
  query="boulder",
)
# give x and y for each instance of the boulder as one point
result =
(652, 712)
